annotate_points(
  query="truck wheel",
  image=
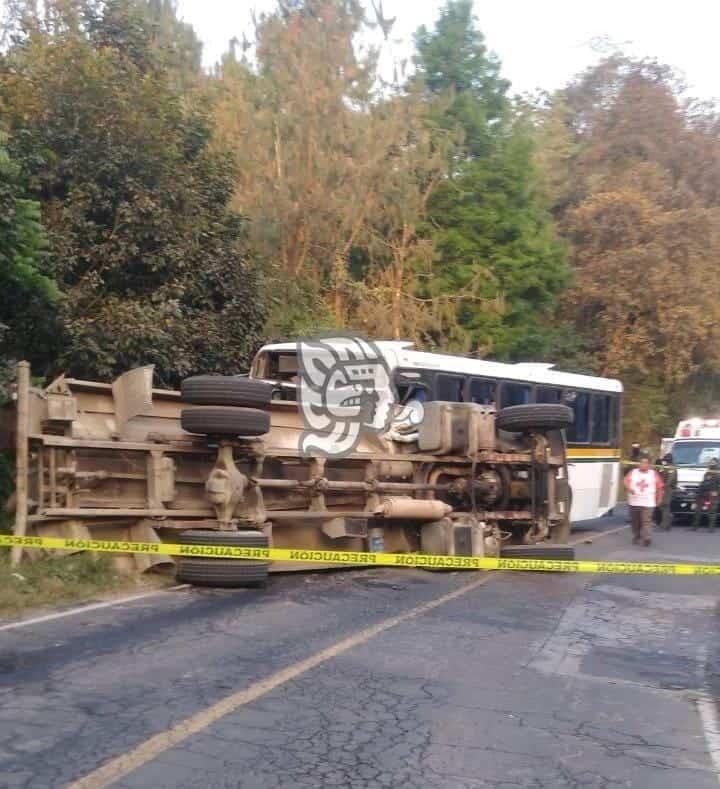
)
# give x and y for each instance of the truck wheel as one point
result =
(225, 573)
(226, 390)
(555, 552)
(225, 421)
(538, 416)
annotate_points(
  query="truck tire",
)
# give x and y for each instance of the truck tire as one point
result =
(538, 416)
(226, 390)
(223, 573)
(225, 421)
(541, 551)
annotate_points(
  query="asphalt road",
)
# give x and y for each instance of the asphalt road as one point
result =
(379, 678)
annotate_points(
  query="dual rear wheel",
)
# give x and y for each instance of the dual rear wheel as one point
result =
(224, 407)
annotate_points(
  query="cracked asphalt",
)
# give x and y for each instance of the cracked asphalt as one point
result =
(530, 680)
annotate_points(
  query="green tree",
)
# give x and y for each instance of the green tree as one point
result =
(29, 296)
(334, 173)
(300, 123)
(489, 221)
(453, 60)
(153, 264)
(639, 202)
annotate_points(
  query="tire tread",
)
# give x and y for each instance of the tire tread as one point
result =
(225, 421)
(547, 551)
(538, 416)
(222, 573)
(226, 390)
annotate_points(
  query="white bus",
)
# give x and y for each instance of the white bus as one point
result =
(593, 441)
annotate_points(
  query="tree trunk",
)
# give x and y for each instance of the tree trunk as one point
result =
(397, 296)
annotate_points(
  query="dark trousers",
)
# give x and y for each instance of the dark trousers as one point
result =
(641, 522)
(712, 513)
(665, 519)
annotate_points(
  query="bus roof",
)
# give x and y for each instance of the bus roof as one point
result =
(400, 353)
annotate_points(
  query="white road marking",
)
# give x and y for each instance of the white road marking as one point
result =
(708, 712)
(36, 620)
(119, 767)
(711, 729)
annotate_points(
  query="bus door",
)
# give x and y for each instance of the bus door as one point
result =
(593, 453)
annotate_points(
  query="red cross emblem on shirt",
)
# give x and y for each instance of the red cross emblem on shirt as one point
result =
(643, 485)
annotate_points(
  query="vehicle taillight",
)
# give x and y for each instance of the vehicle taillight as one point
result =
(685, 432)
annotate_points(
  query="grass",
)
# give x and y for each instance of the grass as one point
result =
(50, 581)
(57, 579)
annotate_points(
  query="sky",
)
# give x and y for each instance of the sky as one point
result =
(541, 44)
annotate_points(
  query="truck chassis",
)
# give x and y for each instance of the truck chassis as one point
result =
(112, 461)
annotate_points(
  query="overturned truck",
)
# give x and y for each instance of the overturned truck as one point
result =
(220, 463)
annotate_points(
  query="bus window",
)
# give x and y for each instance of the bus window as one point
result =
(579, 431)
(408, 391)
(614, 420)
(482, 391)
(601, 419)
(413, 385)
(514, 394)
(546, 394)
(450, 388)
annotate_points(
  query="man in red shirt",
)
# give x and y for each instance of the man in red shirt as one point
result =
(644, 488)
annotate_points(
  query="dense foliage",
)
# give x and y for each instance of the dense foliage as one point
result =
(151, 261)
(151, 212)
(636, 194)
(489, 221)
(26, 291)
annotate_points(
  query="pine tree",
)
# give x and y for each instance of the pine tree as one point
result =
(493, 234)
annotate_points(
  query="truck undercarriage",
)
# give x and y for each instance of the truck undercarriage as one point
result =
(117, 461)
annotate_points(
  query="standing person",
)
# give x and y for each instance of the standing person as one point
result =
(644, 488)
(634, 459)
(669, 478)
(709, 490)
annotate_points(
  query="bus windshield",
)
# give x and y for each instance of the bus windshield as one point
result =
(695, 453)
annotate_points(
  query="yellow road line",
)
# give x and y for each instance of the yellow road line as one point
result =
(119, 767)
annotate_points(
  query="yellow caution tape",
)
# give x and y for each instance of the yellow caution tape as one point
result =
(311, 555)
